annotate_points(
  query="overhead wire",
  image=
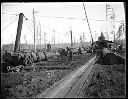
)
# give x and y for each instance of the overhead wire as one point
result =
(9, 14)
(63, 17)
(76, 18)
(30, 22)
(51, 28)
(8, 18)
(54, 30)
(10, 23)
(28, 27)
(66, 17)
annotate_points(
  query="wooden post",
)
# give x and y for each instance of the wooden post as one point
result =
(88, 22)
(71, 38)
(19, 28)
(34, 31)
(107, 22)
(54, 37)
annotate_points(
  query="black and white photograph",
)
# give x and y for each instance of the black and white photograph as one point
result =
(63, 50)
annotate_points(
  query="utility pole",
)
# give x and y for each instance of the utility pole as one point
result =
(113, 25)
(83, 37)
(19, 28)
(45, 40)
(58, 38)
(88, 22)
(34, 31)
(37, 34)
(74, 40)
(111, 17)
(107, 21)
(95, 36)
(125, 17)
(124, 7)
(71, 37)
(54, 37)
(40, 33)
(12, 44)
(25, 41)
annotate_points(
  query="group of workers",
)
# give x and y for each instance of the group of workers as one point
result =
(69, 52)
(104, 50)
(106, 44)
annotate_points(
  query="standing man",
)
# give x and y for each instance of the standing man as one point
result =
(79, 51)
(110, 46)
(49, 47)
(70, 55)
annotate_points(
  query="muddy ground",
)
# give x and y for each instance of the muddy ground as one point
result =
(105, 81)
(35, 80)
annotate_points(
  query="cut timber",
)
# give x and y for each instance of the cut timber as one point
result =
(61, 88)
(75, 91)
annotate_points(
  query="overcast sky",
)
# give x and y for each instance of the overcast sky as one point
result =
(95, 11)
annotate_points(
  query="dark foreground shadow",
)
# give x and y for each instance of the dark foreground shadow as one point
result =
(110, 59)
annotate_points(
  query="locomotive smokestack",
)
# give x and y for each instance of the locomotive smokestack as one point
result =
(19, 28)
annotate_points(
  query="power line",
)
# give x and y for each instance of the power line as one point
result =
(29, 22)
(9, 14)
(17, 13)
(28, 26)
(76, 18)
(10, 23)
(8, 18)
(64, 17)
(54, 30)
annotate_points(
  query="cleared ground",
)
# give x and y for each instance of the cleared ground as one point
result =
(105, 81)
(58, 78)
(33, 80)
